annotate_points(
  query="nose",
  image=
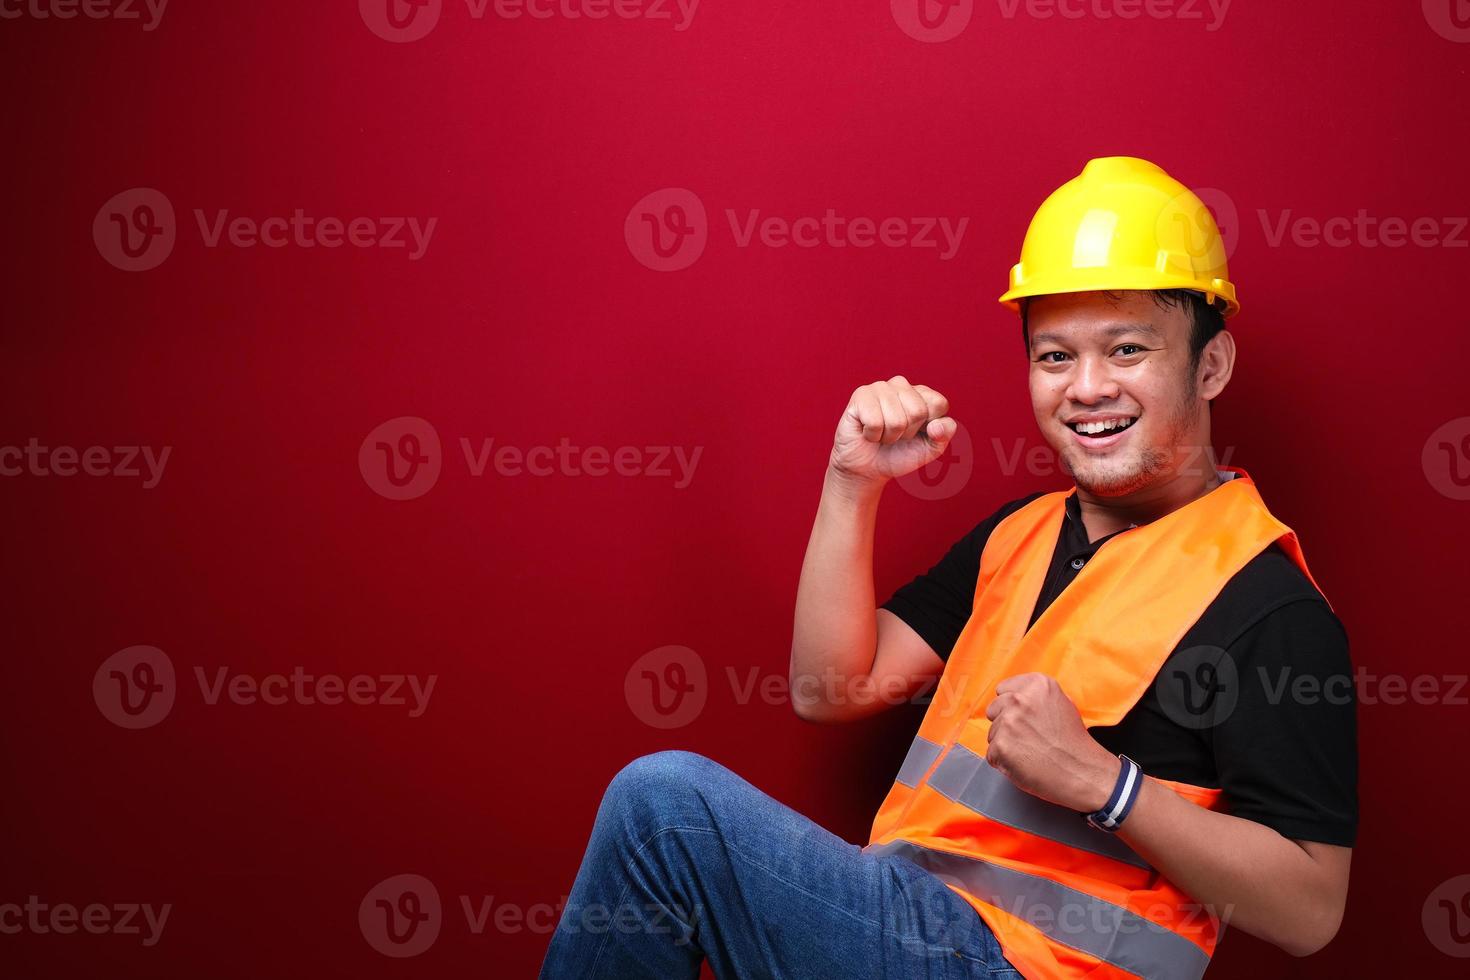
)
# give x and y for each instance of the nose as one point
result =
(1092, 382)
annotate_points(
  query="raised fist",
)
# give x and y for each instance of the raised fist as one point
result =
(891, 428)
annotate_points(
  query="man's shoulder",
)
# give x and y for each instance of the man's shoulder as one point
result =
(1011, 506)
(975, 539)
(1271, 577)
(1270, 585)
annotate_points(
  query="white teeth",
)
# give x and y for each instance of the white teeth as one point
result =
(1092, 428)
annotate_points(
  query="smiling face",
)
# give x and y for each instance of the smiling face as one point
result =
(1113, 390)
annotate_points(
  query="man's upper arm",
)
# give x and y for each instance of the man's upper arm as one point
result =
(1286, 753)
(904, 662)
(1334, 862)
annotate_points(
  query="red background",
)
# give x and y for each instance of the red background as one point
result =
(529, 319)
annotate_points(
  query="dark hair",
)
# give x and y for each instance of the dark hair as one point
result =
(1206, 319)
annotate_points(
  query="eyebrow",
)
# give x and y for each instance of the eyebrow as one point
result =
(1108, 332)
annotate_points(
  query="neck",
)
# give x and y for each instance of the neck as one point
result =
(1104, 515)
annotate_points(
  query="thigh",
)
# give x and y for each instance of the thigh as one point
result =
(777, 895)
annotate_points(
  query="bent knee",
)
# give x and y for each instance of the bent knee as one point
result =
(659, 779)
(662, 771)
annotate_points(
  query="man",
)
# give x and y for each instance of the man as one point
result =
(1112, 766)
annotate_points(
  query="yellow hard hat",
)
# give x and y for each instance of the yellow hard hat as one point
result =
(1123, 223)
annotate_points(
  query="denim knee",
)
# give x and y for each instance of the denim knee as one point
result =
(655, 783)
(659, 774)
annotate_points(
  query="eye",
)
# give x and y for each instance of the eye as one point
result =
(1043, 358)
(1124, 349)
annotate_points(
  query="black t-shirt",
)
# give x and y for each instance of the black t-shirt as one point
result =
(1229, 708)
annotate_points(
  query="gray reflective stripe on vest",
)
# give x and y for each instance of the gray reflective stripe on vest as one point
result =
(967, 779)
(922, 754)
(1065, 915)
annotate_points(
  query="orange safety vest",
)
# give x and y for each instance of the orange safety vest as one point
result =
(1063, 898)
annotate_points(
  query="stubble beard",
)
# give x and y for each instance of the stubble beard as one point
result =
(1119, 474)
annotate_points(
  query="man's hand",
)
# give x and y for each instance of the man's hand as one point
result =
(1038, 742)
(889, 429)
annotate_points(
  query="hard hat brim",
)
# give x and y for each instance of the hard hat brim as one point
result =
(1113, 280)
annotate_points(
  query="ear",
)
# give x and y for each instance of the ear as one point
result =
(1216, 363)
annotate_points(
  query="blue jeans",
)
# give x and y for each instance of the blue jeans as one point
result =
(687, 861)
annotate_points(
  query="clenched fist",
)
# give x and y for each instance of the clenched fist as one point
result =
(891, 428)
(1038, 742)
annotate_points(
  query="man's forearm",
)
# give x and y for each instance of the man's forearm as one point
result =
(835, 631)
(1262, 882)
(1289, 893)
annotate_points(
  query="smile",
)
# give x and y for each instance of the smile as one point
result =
(1101, 429)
